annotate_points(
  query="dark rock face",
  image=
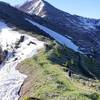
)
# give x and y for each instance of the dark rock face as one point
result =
(84, 32)
(1, 56)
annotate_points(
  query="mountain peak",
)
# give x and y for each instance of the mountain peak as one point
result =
(34, 7)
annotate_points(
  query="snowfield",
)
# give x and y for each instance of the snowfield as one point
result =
(10, 78)
(57, 36)
(39, 3)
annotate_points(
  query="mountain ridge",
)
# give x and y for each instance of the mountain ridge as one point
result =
(82, 31)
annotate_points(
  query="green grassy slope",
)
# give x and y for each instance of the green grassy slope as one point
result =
(48, 75)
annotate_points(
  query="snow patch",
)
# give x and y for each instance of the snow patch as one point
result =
(98, 23)
(87, 24)
(40, 8)
(36, 7)
(57, 36)
(10, 78)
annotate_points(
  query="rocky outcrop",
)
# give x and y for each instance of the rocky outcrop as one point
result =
(1, 55)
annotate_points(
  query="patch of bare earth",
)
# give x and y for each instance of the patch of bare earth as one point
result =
(27, 85)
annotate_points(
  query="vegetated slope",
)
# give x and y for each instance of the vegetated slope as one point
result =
(48, 76)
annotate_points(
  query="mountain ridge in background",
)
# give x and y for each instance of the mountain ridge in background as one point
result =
(84, 31)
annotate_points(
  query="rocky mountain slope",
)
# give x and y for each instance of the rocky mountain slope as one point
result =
(32, 23)
(84, 32)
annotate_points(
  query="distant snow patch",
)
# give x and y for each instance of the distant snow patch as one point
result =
(36, 6)
(57, 36)
(98, 24)
(87, 24)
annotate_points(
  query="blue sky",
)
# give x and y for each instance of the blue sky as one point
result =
(86, 8)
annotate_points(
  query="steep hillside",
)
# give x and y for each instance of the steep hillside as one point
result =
(84, 32)
(48, 75)
(56, 53)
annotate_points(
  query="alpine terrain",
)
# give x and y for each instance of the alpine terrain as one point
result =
(47, 54)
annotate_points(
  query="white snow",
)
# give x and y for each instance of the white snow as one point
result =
(40, 8)
(98, 24)
(57, 36)
(87, 24)
(10, 78)
(37, 6)
(16, 2)
(33, 6)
